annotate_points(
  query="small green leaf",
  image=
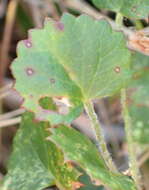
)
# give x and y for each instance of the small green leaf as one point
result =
(70, 59)
(79, 148)
(129, 8)
(35, 162)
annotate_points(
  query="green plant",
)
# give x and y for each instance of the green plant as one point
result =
(75, 60)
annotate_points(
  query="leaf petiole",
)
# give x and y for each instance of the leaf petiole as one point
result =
(99, 136)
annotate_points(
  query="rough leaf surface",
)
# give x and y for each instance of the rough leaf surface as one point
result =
(79, 148)
(35, 162)
(129, 8)
(71, 58)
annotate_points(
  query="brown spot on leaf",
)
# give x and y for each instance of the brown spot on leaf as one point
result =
(27, 43)
(117, 69)
(134, 8)
(52, 80)
(136, 76)
(29, 71)
(77, 185)
(31, 96)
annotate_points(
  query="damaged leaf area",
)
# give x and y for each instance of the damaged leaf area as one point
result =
(130, 8)
(37, 163)
(70, 59)
(81, 150)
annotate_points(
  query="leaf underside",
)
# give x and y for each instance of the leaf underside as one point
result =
(130, 8)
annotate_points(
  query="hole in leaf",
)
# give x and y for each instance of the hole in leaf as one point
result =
(117, 69)
(47, 103)
(134, 9)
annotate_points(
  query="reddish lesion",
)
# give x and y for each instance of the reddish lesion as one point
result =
(29, 71)
(59, 26)
(28, 43)
(77, 185)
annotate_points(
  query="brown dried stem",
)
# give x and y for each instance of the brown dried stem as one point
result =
(10, 19)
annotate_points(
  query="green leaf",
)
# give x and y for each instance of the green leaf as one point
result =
(28, 164)
(130, 8)
(140, 62)
(71, 59)
(138, 99)
(79, 148)
(88, 184)
(65, 174)
(47, 103)
(139, 107)
(35, 162)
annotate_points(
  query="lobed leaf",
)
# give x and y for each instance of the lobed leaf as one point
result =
(130, 8)
(79, 148)
(73, 59)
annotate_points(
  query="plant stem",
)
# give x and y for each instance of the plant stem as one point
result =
(134, 169)
(99, 136)
(119, 19)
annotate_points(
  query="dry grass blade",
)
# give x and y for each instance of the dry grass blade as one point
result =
(3, 95)
(10, 122)
(12, 114)
(10, 18)
(143, 158)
